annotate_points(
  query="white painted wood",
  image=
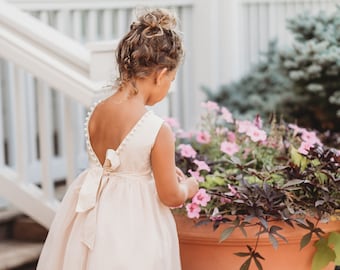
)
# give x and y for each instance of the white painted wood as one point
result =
(10, 113)
(107, 24)
(2, 139)
(70, 139)
(27, 197)
(121, 23)
(45, 140)
(32, 129)
(77, 26)
(95, 5)
(102, 63)
(92, 25)
(20, 125)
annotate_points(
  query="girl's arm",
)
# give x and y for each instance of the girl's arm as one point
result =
(170, 191)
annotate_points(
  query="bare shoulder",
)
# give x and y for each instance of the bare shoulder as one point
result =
(165, 136)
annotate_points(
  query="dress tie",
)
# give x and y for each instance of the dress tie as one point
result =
(94, 182)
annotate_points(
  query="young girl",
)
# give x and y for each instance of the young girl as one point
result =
(116, 215)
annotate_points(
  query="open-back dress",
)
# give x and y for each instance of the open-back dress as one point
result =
(111, 217)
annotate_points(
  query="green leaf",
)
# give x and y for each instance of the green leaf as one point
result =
(305, 240)
(298, 159)
(226, 233)
(323, 255)
(212, 181)
(246, 264)
(334, 240)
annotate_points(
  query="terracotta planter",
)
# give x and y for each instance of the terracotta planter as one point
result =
(201, 250)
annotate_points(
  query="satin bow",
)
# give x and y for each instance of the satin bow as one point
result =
(89, 194)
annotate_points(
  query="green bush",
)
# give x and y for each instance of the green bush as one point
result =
(300, 83)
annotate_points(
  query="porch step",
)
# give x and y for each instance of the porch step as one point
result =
(14, 254)
(21, 240)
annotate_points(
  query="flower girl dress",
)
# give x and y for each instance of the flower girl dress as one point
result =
(111, 217)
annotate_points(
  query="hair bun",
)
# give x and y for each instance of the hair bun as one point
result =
(155, 22)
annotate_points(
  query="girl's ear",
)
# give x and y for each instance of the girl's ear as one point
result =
(160, 75)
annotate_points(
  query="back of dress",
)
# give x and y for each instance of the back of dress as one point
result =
(111, 217)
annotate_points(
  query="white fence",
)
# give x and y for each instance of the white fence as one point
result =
(223, 39)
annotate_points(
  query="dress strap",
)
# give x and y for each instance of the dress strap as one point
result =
(92, 155)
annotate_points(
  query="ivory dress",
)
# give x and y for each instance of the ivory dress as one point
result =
(111, 217)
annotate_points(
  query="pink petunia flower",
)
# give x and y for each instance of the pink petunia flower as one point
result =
(244, 126)
(216, 215)
(193, 210)
(229, 148)
(172, 122)
(256, 134)
(196, 175)
(310, 137)
(202, 165)
(187, 151)
(296, 129)
(231, 137)
(201, 197)
(210, 106)
(304, 147)
(203, 137)
(226, 115)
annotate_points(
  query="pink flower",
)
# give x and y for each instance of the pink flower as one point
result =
(231, 136)
(229, 148)
(172, 122)
(304, 147)
(233, 191)
(210, 106)
(226, 115)
(256, 134)
(203, 137)
(244, 126)
(193, 210)
(201, 197)
(296, 129)
(196, 175)
(310, 137)
(202, 165)
(216, 214)
(187, 151)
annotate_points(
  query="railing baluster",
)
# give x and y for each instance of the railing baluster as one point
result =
(20, 124)
(92, 25)
(45, 140)
(70, 140)
(121, 22)
(107, 24)
(2, 139)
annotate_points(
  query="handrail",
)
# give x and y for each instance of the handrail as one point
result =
(39, 49)
(93, 5)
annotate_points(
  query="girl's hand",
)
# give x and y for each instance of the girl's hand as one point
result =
(180, 175)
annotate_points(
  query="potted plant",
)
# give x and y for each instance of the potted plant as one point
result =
(263, 182)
